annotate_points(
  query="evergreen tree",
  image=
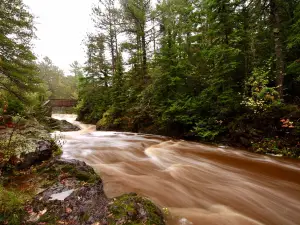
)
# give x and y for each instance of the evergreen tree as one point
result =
(58, 86)
(17, 67)
(218, 68)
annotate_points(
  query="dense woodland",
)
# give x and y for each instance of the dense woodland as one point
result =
(218, 71)
(211, 70)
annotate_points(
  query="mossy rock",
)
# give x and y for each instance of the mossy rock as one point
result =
(72, 191)
(61, 169)
(131, 209)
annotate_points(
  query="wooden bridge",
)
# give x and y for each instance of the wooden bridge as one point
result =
(59, 103)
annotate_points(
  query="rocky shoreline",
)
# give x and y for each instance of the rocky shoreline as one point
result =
(68, 192)
(73, 194)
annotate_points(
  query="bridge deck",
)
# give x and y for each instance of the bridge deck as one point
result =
(61, 102)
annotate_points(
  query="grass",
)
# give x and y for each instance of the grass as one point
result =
(12, 203)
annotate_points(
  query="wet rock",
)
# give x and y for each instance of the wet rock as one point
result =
(44, 151)
(75, 203)
(134, 209)
(65, 126)
(61, 125)
(76, 164)
(71, 200)
(28, 146)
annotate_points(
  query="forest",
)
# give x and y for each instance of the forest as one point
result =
(208, 75)
(218, 71)
(211, 70)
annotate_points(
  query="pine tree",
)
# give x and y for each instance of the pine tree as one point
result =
(17, 67)
(106, 17)
(97, 67)
(136, 15)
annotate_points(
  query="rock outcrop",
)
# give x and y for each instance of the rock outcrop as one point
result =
(44, 151)
(73, 194)
(27, 144)
(60, 125)
(69, 191)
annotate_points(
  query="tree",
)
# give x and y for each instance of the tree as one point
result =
(217, 67)
(106, 18)
(136, 14)
(97, 67)
(57, 84)
(17, 66)
(276, 21)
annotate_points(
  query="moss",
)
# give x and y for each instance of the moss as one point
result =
(86, 177)
(67, 168)
(12, 203)
(58, 152)
(47, 183)
(80, 175)
(85, 217)
(127, 207)
(50, 174)
(55, 147)
(48, 219)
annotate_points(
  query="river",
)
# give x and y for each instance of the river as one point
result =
(197, 183)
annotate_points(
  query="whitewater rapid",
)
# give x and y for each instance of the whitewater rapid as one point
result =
(197, 183)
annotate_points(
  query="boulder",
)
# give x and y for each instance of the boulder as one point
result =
(132, 209)
(60, 125)
(70, 202)
(76, 197)
(76, 164)
(44, 151)
(65, 126)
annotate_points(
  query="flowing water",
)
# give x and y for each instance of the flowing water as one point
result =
(198, 183)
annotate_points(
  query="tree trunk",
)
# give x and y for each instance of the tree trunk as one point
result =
(144, 52)
(116, 47)
(280, 65)
(112, 48)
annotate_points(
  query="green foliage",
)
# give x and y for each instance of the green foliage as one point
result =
(209, 130)
(261, 97)
(18, 70)
(106, 120)
(57, 141)
(55, 84)
(276, 146)
(12, 206)
(15, 106)
(213, 70)
(125, 208)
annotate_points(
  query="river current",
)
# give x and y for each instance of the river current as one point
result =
(197, 183)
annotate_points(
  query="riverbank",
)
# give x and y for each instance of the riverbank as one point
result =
(37, 187)
(195, 182)
(272, 132)
(69, 192)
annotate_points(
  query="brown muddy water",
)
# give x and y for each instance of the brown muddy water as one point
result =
(198, 183)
